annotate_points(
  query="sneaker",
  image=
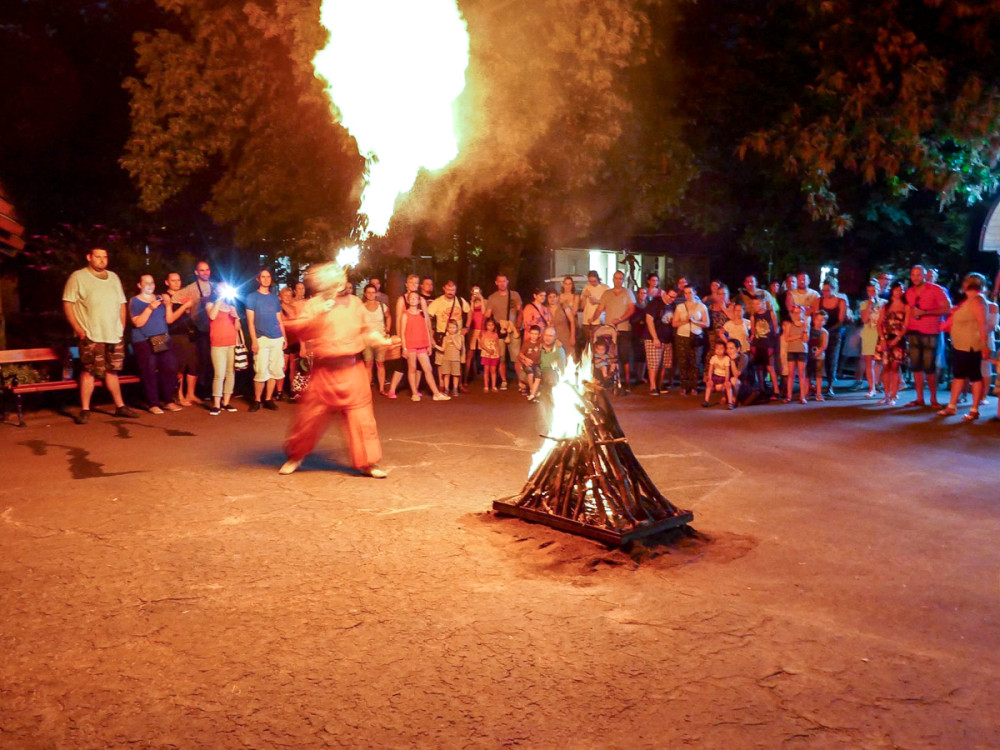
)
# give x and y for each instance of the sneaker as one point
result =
(503, 386)
(441, 396)
(215, 411)
(494, 389)
(255, 406)
(820, 397)
(289, 467)
(84, 416)
(124, 411)
(454, 393)
(415, 397)
(230, 408)
(270, 405)
(870, 394)
(653, 392)
(704, 404)
(156, 410)
(464, 388)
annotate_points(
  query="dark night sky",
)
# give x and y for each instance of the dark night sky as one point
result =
(65, 115)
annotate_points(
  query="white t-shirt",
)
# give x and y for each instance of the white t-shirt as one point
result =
(590, 298)
(97, 304)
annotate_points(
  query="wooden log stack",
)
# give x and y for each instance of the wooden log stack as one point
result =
(593, 485)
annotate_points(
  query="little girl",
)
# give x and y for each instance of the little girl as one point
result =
(453, 349)
(718, 378)
(415, 332)
(489, 348)
(795, 334)
(475, 322)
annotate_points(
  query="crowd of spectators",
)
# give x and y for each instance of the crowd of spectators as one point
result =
(779, 342)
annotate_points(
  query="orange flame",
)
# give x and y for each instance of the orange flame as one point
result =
(394, 69)
(567, 419)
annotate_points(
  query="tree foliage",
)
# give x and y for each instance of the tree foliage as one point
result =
(904, 98)
(226, 98)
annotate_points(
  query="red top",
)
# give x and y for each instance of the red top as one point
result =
(416, 331)
(222, 330)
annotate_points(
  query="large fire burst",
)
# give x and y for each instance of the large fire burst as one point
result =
(394, 69)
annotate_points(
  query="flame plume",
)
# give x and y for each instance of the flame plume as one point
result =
(394, 69)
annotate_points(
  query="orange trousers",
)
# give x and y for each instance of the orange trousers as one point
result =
(343, 391)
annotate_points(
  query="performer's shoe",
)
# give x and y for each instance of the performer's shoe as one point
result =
(373, 472)
(289, 467)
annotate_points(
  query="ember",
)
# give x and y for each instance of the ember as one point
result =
(592, 484)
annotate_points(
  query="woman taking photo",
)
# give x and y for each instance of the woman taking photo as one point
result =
(151, 314)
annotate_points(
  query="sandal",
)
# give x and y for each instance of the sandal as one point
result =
(972, 416)
(948, 411)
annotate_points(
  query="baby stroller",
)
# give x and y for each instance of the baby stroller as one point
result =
(604, 352)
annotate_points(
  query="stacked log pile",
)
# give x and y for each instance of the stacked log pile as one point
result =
(592, 484)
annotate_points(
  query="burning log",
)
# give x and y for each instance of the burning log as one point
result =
(590, 483)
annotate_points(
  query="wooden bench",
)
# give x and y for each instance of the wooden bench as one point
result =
(10, 384)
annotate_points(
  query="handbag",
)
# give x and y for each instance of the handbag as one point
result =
(241, 357)
(300, 378)
(160, 342)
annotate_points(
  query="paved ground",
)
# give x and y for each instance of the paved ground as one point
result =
(162, 586)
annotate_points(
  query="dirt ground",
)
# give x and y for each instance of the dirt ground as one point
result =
(161, 586)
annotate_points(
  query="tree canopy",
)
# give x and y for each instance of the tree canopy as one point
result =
(227, 103)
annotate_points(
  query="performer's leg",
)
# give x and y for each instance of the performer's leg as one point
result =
(311, 418)
(362, 437)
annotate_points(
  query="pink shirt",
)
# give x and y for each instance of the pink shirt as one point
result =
(927, 297)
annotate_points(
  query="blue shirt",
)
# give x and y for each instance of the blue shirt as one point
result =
(265, 308)
(156, 324)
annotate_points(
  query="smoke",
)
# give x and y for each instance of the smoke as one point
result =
(546, 113)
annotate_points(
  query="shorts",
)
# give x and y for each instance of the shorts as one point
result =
(718, 379)
(419, 350)
(185, 352)
(269, 360)
(490, 361)
(450, 367)
(967, 366)
(816, 367)
(99, 358)
(625, 352)
(762, 354)
(923, 352)
(796, 357)
(372, 353)
(535, 370)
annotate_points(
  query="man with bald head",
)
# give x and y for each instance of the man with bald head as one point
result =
(926, 306)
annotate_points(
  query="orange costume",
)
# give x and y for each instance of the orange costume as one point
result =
(339, 381)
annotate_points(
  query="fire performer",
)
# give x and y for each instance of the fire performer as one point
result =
(334, 326)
